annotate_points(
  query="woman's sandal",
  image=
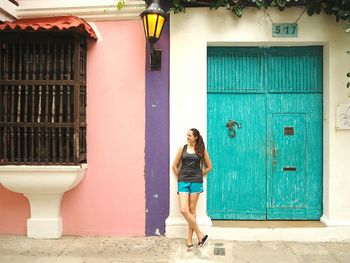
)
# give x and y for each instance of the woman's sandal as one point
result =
(203, 241)
(189, 247)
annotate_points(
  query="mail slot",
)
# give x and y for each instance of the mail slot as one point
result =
(289, 169)
(288, 130)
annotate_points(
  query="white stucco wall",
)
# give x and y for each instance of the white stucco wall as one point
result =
(193, 31)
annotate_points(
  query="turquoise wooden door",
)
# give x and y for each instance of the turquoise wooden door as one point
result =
(272, 168)
(295, 157)
(232, 180)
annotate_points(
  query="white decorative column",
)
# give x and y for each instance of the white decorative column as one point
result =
(188, 109)
(44, 187)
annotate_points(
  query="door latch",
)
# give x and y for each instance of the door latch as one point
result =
(274, 152)
(231, 127)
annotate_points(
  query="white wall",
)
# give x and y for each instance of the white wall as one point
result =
(193, 31)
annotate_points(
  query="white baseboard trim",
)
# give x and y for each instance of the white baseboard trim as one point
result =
(334, 223)
(180, 221)
(176, 227)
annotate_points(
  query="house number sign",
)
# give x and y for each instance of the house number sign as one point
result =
(285, 30)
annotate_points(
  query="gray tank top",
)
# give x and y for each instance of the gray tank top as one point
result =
(190, 170)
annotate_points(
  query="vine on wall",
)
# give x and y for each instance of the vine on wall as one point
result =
(339, 8)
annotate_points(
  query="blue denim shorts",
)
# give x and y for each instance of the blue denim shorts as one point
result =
(189, 187)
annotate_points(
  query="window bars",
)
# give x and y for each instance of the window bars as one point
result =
(42, 99)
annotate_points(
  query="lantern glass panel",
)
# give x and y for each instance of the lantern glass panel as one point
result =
(152, 23)
(161, 21)
(145, 25)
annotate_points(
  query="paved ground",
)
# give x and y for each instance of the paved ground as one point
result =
(70, 249)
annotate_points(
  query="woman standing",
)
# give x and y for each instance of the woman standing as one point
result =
(190, 181)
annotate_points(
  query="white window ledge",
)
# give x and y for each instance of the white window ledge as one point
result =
(44, 187)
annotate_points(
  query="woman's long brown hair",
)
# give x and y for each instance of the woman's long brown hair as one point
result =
(200, 147)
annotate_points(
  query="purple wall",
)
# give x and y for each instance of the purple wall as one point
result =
(157, 140)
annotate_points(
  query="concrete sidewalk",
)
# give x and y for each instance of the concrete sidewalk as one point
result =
(71, 249)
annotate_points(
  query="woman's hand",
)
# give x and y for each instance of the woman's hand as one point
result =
(177, 161)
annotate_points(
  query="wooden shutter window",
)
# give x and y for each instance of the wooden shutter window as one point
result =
(42, 98)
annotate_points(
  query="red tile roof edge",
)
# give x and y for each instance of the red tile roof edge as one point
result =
(61, 23)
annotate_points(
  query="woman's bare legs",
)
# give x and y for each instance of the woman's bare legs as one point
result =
(193, 199)
(190, 218)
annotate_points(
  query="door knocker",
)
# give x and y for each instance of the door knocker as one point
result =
(231, 128)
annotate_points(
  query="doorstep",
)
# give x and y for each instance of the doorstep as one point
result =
(298, 231)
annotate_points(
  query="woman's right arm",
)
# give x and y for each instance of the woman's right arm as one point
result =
(177, 161)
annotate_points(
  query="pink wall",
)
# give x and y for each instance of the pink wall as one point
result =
(111, 198)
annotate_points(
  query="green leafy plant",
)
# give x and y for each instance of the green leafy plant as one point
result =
(347, 30)
(339, 8)
(120, 4)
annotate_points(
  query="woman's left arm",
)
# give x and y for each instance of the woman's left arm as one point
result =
(207, 161)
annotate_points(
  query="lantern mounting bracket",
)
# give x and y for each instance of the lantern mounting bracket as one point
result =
(155, 59)
(153, 19)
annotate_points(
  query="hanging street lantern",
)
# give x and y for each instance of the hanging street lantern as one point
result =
(153, 19)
